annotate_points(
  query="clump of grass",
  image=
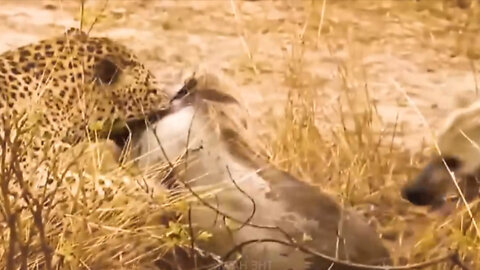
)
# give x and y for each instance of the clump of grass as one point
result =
(358, 157)
(82, 208)
(92, 213)
(354, 144)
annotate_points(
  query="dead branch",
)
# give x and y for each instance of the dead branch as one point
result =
(254, 204)
(452, 257)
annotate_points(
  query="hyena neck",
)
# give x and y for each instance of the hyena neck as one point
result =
(210, 160)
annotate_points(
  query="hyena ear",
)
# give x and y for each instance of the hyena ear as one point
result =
(106, 72)
(216, 96)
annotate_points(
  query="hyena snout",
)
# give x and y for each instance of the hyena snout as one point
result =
(430, 186)
(435, 183)
(418, 195)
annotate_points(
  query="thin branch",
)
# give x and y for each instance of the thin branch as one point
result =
(192, 236)
(96, 17)
(254, 209)
(452, 257)
(82, 11)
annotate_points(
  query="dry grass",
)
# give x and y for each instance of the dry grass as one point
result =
(94, 214)
(341, 145)
(358, 157)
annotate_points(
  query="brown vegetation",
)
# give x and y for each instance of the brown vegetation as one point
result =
(344, 93)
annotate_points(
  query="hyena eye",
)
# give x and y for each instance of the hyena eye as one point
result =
(452, 162)
(187, 87)
(180, 94)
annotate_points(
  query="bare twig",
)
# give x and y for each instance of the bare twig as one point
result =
(82, 11)
(320, 23)
(96, 17)
(452, 257)
(242, 35)
(192, 236)
(254, 205)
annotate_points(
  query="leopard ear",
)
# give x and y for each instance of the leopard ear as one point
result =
(106, 72)
(76, 33)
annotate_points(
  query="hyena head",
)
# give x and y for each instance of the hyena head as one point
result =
(458, 159)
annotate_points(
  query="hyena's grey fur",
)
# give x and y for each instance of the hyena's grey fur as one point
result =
(223, 167)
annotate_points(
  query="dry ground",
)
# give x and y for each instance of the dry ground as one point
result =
(417, 60)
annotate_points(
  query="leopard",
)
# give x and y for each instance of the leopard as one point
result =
(65, 88)
(59, 97)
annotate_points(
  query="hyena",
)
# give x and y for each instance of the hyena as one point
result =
(456, 163)
(241, 199)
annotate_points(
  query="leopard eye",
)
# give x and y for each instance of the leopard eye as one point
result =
(452, 162)
(106, 71)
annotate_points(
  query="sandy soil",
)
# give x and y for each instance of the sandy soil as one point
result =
(403, 51)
